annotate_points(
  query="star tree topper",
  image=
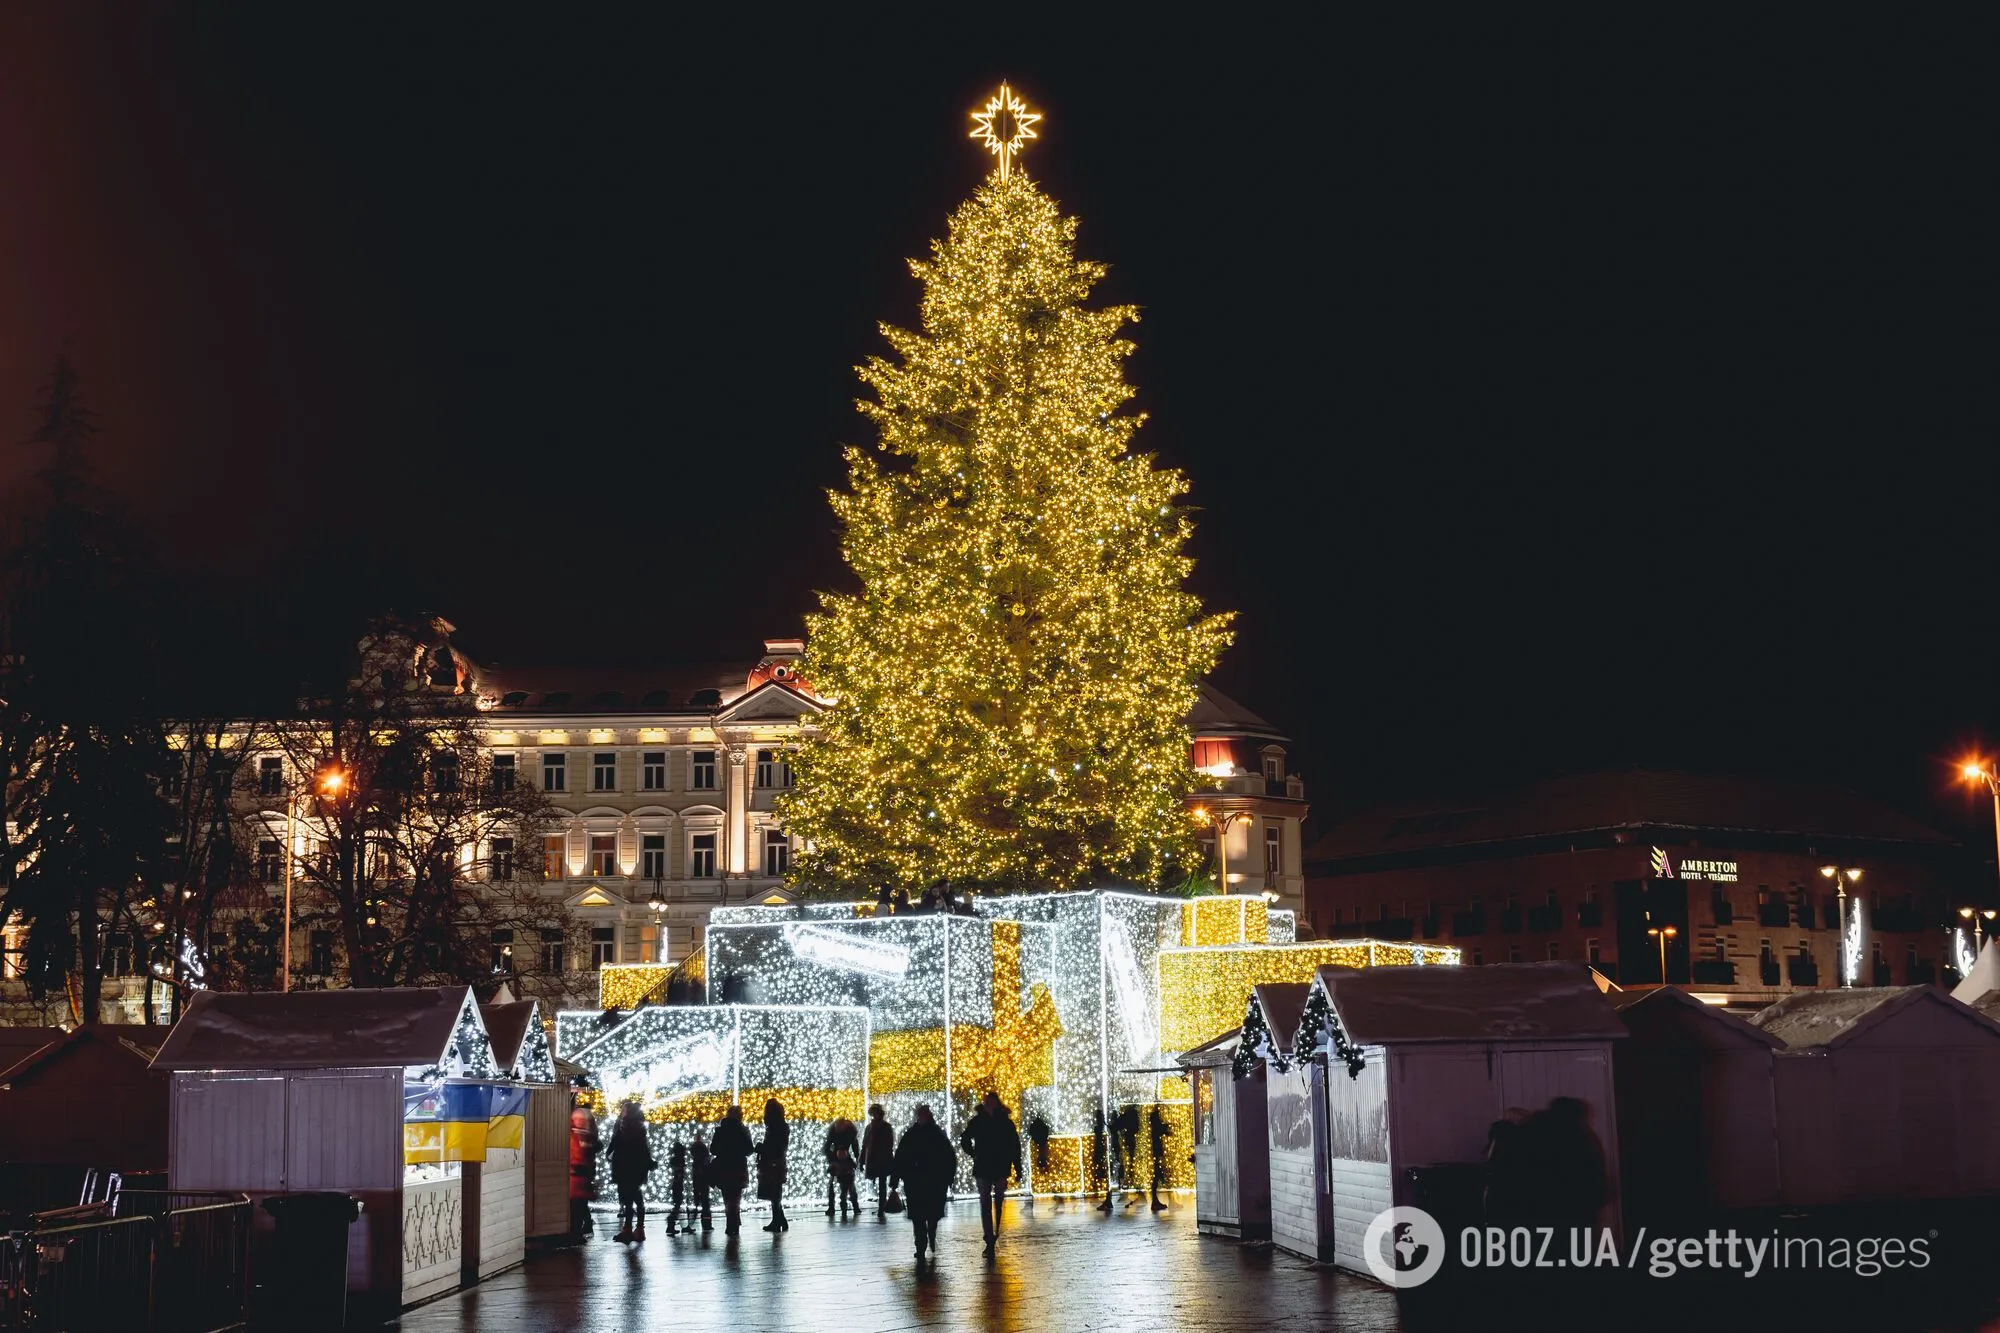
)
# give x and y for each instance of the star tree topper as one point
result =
(1005, 126)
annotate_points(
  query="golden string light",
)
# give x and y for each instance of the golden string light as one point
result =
(1005, 126)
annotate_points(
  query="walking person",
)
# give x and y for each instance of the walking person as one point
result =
(677, 1164)
(1156, 1132)
(842, 1150)
(583, 1147)
(631, 1162)
(878, 1152)
(729, 1166)
(771, 1170)
(995, 1146)
(925, 1163)
(699, 1171)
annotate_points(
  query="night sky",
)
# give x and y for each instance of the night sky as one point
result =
(1557, 393)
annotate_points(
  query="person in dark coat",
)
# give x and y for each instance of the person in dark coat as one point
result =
(698, 1169)
(926, 1166)
(677, 1167)
(771, 1170)
(878, 1152)
(1576, 1184)
(1508, 1181)
(842, 1151)
(631, 1162)
(729, 1166)
(995, 1146)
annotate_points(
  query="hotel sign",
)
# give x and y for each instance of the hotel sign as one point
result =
(1665, 867)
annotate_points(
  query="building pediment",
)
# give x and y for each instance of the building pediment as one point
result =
(769, 702)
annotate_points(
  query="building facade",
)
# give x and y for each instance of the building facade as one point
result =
(664, 784)
(1725, 879)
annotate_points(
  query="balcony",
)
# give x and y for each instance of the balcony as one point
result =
(1774, 914)
(1768, 971)
(1881, 970)
(1467, 923)
(1545, 918)
(1723, 911)
(1590, 914)
(1431, 927)
(1510, 920)
(1714, 972)
(1830, 914)
(1802, 971)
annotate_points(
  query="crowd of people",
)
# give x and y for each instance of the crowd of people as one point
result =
(911, 1173)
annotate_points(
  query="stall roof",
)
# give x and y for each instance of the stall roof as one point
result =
(321, 1029)
(506, 1025)
(1834, 1017)
(1502, 1002)
(1283, 1004)
(1983, 979)
(1213, 1053)
(1644, 1004)
(134, 1039)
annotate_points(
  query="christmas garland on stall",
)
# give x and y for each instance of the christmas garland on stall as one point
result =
(1319, 1029)
(1256, 1044)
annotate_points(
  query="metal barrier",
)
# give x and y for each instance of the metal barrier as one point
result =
(174, 1263)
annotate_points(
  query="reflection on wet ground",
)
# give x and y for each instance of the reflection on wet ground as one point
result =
(1059, 1266)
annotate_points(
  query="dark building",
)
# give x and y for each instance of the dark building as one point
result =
(1741, 876)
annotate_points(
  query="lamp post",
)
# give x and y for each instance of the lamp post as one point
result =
(1663, 934)
(1224, 820)
(330, 783)
(1981, 770)
(1975, 916)
(657, 904)
(1842, 877)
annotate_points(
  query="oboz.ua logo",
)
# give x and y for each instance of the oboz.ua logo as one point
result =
(1403, 1246)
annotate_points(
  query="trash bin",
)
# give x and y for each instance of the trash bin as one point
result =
(311, 1256)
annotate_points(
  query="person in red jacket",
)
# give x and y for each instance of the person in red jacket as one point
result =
(583, 1146)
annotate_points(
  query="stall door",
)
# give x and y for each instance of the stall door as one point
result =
(1223, 1149)
(1533, 1076)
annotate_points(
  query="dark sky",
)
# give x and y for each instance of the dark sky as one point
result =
(1602, 390)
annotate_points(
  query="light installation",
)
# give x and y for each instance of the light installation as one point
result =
(1005, 127)
(1851, 945)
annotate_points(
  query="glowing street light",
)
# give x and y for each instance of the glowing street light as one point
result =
(1224, 820)
(1850, 944)
(1663, 934)
(1981, 770)
(331, 783)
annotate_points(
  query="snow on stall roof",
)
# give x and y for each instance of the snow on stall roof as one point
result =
(1818, 1017)
(322, 1029)
(1283, 1004)
(1642, 1010)
(1214, 1052)
(1503, 1002)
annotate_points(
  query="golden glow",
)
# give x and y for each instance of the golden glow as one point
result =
(555, 738)
(1005, 126)
(1016, 1053)
(1013, 679)
(652, 736)
(1225, 919)
(505, 738)
(1203, 992)
(623, 985)
(822, 1104)
(600, 737)
(332, 781)
(1975, 770)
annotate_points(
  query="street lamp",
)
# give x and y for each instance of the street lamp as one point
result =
(657, 903)
(1223, 820)
(1850, 949)
(1981, 770)
(330, 784)
(1663, 934)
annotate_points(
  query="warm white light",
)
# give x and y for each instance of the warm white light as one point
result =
(1015, 127)
(834, 948)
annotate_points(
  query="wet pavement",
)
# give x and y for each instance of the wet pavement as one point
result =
(1059, 1266)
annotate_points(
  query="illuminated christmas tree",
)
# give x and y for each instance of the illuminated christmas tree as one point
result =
(1013, 678)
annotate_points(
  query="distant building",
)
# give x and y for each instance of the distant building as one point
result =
(1583, 868)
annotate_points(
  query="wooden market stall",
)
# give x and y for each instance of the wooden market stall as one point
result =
(1417, 1063)
(378, 1094)
(1232, 1154)
(501, 1211)
(74, 1103)
(1294, 1161)
(1885, 1094)
(1697, 1113)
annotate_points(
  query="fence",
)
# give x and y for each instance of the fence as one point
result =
(145, 1260)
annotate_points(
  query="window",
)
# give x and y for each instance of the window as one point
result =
(1479, 958)
(1590, 952)
(503, 772)
(552, 951)
(604, 853)
(268, 869)
(270, 776)
(653, 855)
(701, 857)
(777, 852)
(653, 770)
(174, 783)
(501, 863)
(14, 953)
(1513, 953)
(444, 772)
(319, 953)
(701, 775)
(552, 856)
(1274, 768)
(555, 772)
(1555, 951)
(503, 950)
(603, 946)
(604, 772)
(766, 767)
(117, 959)
(1274, 848)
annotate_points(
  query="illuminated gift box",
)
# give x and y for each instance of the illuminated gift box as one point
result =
(687, 1064)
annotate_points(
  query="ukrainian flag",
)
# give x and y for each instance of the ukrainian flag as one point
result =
(507, 1116)
(444, 1122)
